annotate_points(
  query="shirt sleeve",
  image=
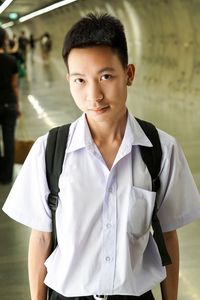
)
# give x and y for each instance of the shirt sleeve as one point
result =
(178, 199)
(27, 200)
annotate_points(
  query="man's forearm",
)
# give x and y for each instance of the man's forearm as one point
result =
(169, 287)
(39, 249)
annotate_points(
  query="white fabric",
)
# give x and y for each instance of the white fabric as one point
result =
(103, 217)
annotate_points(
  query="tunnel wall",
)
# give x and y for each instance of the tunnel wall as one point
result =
(163, 39)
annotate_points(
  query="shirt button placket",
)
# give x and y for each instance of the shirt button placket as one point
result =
(109, 239)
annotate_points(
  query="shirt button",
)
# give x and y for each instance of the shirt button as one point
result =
(110, 190)
(107, 258)
(108, 225)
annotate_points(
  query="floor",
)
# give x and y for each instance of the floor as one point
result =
(45, 103)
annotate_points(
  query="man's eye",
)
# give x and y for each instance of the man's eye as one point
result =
(79, 80)
(105, 77)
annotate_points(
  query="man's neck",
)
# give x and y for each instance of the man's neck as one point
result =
(108, 132)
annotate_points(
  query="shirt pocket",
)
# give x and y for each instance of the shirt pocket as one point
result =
(141, 206)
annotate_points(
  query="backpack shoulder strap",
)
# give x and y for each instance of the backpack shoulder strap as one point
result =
(54, 156)
(152, 157)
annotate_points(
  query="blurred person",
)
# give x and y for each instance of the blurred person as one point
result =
(105, 245)
(23, 45)
(46, 47)
(13, 50)
(9, 108)
(15, 39)
(32, 41)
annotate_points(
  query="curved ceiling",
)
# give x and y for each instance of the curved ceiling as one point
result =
(23, 7)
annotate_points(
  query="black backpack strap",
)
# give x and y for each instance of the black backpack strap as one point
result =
(54, 156)
(152, 157)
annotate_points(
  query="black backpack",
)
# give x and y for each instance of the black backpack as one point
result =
(55, 152)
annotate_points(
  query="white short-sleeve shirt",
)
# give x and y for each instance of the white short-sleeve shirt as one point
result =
(105, 245)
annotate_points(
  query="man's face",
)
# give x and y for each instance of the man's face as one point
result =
(98, 82)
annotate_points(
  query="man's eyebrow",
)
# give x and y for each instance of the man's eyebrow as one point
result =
(76, 74)
(106, 69)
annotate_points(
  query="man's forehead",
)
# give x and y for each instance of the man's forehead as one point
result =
(100, 52)
(98, 59)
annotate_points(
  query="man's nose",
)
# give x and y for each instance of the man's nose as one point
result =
(94, 93)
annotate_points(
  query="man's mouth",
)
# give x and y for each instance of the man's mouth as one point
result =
(98, 109)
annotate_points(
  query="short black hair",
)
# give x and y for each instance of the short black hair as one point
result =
(97, 30)
(3, 35)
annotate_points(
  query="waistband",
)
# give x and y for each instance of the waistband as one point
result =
(146, 296)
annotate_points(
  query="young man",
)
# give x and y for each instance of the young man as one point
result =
(105, 246)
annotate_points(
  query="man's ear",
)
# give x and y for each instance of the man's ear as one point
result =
(130, 74)
(67, 77)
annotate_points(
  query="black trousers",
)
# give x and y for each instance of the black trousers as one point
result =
(146, 296)
(7, 122)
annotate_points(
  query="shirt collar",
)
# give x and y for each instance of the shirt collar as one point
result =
(134, 134)
(80, 136)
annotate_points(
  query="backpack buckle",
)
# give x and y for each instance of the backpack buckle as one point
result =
(53, 202)
(100, 297)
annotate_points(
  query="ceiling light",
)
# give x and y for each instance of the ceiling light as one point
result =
(13, 16)
(45, 10)
(6, 25)
(5, 4)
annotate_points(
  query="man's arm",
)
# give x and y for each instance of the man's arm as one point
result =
(39, 249)
(15, 86)
(169, 287)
